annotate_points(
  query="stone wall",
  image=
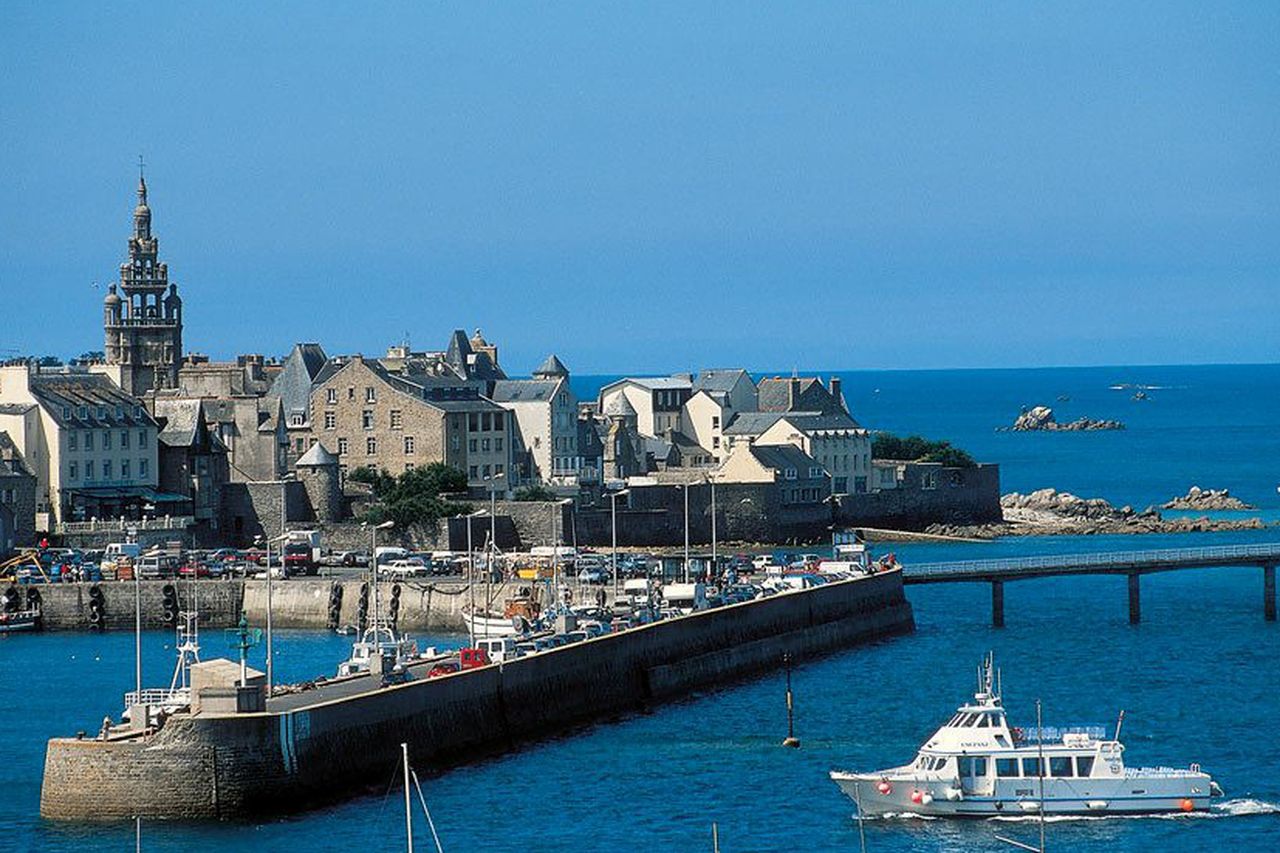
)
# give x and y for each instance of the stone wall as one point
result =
(273, 762)
(250, 510)
(962, 496)
(68, 606)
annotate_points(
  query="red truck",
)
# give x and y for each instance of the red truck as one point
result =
(465, 659)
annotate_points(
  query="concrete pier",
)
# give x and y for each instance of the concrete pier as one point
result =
(323, 745)
(1135, 598)
(997, 604)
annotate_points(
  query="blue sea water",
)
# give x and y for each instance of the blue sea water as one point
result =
(1198, 679)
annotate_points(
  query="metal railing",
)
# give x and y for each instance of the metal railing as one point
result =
(157, 697)
(1164, 557)
(110, 525)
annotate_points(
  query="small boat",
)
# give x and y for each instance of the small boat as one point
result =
(520, 615)
(377, 639)
(977, 765)
(19, 620)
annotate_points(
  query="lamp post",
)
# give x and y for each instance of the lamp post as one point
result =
(714, 562)
(613, 500)
(471, 581)
(493, 544)
(685, 489)
(270, 663)
(373, 561)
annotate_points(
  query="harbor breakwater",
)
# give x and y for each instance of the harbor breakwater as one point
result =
(312, 748)
(318, 603)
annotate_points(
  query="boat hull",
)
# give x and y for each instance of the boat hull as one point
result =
(1020, 797)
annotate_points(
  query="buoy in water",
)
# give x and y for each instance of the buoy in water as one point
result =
(1187, 805)
(791, 742)
(884, 788)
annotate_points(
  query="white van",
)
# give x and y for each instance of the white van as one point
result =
(385, 554)
(499, 649)
(685, 597)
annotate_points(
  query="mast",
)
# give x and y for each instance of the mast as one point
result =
(408, 812)
(1040, 761)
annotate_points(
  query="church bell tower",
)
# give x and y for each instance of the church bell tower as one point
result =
(143, 319)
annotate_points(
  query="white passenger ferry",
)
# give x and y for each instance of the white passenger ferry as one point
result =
(977, 765)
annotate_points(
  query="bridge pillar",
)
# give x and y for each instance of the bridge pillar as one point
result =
(1269, 593)
(1135, 599)
(997, 604)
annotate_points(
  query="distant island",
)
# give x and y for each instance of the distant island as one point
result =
(1042, 419)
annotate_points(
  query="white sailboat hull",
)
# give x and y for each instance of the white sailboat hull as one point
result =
(487, 625)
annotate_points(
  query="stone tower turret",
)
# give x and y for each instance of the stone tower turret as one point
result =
(318, 471)
(143, 326)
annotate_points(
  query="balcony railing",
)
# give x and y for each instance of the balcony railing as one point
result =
(124, 525)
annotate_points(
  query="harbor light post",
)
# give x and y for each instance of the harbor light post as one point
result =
(270, 664)
(493, 545)
(711, 479)
(471, 580)
(684, 487)
(373, 561)
(613, 501)
(137, 615)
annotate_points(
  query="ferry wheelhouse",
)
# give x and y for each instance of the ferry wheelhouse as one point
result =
(977, 765)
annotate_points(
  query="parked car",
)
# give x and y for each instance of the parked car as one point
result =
(410, 567)
(593, 574)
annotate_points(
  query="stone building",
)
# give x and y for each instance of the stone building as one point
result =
(546, 414)
(193, 461)
(317, 470)
(799, 477)
(367, 416)
(142, 319)
(91, 446)
(248, 376)
(17, 496)
(657, 402)
(292, 387)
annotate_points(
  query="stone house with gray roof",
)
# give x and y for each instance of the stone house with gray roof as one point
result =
(17, 497)
(546, 421)
(193, 460)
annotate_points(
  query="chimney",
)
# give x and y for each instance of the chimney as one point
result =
(837, 393)
(794, 393)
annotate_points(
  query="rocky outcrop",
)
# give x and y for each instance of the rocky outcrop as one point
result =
(1205, 500)
(1048, 512)
(1042, 419)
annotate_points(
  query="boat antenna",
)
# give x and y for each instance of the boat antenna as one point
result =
(1119, 723)
(431, 824)
(408, 810)
(1041, 768)
(999, 683)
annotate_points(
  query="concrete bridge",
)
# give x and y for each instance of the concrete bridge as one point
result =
(1132, 564)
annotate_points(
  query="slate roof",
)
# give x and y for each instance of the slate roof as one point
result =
(105, 405)
(182, 420)
(809, 421)
(316, 457)
(752, 423)
(620, 406)
(720, 379)
(779, 457)
(16, 408)
(524, 390)
(551, 367)
(11, 461)
(300, 373)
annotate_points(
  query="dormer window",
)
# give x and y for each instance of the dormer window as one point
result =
(82, 412)
(66, 413)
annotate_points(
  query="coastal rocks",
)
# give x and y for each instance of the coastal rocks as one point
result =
(1203, 500)
(1042, 419)
(1048, 512)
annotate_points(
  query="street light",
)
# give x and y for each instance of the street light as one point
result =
(373, 561)
(684, 487)
(613, 500)
(714, 562)
(471, 579)
(493, 544)
(270, 667)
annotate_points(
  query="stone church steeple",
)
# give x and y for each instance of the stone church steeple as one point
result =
(143, 323)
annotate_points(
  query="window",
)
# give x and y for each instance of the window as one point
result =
(72, 471)
(537, 442)
(88, 439)
(331, 395)
(88, 470)
(498, 470)
(330, 420)
(1031, 767)
(119, 413)
(370, 446)
(715, 422)
(791, 473)
(984, 722)
(1060, 765)
(472, 444)
(457, 441)
(471, 473)
(73, 440)
(409, 444)
(370, 395)
(1006, 767)
(102, 413)
(342, 447)
(106, 439)
(408, 466)
(124, 469)
(473, 422)
(351, 393)
(715, 442)
(297, 419)
(142, 468)
(66, 413)
(106, 469)
(366, 419)
(124, 439)
(298, 444)
(397, 419)
(486, 421)
(497, 421)
(82, 412)
(142, 438)
(1084, 765)
(487, 471)
(484, 445)
(497, 444)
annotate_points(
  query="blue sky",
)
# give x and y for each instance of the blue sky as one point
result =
(651, 187)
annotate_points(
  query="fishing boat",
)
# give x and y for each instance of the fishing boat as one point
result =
(163, 701)
(379, 639)
(520, 615)
(977, 765)
(19, 620)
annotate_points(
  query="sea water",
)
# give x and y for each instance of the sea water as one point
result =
(1199, 679)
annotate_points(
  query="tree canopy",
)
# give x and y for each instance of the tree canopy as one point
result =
(416, 497)
(915, 448)
(536, 492)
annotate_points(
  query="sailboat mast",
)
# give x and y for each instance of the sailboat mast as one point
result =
(408, 811)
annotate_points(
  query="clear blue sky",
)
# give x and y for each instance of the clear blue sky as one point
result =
(647, 187)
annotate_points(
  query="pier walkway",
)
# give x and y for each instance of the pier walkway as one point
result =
(1132, 564)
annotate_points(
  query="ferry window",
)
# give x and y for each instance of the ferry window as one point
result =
(984, 721)
(1060, 765)
(955, 721)
(980, 766)
(1084, 765)
(1030, 767)
(1006, 767)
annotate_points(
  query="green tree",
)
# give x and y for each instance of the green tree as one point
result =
(416, 497)
(916, 448)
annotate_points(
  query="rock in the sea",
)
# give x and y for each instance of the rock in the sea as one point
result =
(1197, 498)
(1041, 418)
